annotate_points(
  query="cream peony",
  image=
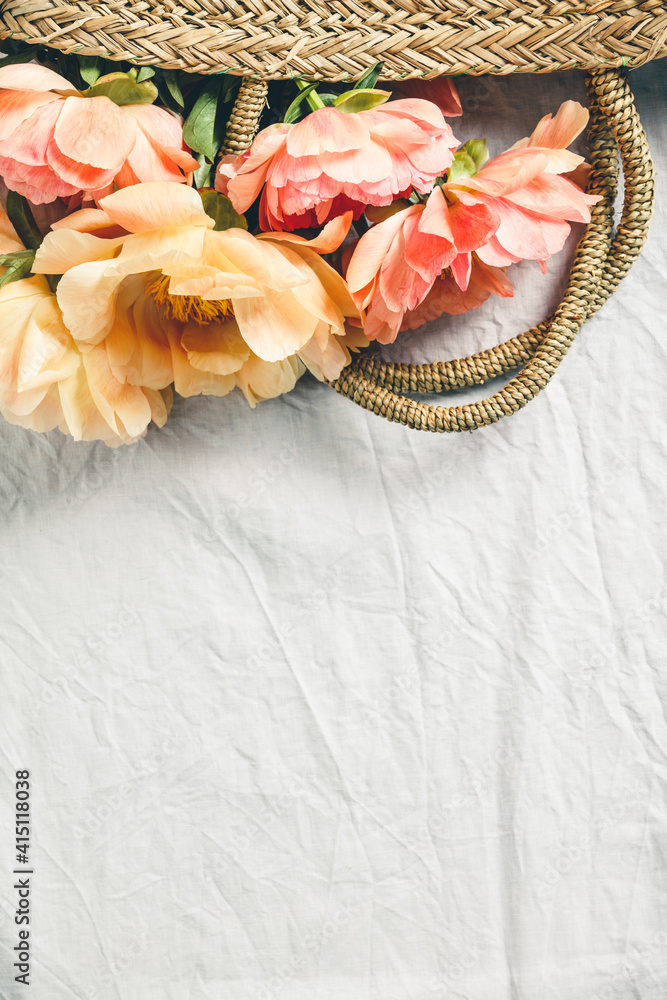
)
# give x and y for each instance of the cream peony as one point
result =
(172, 300)
(45, 380)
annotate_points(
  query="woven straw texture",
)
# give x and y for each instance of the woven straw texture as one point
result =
(340, 39)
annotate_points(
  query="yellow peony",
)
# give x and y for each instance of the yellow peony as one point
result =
(172, 300)
(47, 382)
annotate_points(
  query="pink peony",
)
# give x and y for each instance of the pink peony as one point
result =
(526, 188)
(395, 263)
(55, 143)
(333, 162)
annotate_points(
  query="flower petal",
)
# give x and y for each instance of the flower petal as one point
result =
(66, 248)
(559, 131)
(153, 205)
(32, 76)
(86, 294)
(274, 326)
(217, 348)
(18, 105)
(327, 130)
(95, 132)
(260, 380)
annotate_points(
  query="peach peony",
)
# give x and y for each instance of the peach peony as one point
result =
(173, 300)
(332, 162)
(47, 382)
(55, 142)
(525, 186)
(395, 263)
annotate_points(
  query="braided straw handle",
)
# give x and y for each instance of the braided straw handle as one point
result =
(600, 264)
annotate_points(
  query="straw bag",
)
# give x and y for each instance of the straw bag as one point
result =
(319, 39)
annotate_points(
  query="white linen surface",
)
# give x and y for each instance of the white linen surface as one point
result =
(320, 708)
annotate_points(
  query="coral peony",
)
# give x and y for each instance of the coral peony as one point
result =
(56, 142)
(395, 263)
(47, 382)
(447, 296)
(173, 300)
(332, 162)
(525, 186)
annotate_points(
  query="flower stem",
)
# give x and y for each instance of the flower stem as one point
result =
(313, 100)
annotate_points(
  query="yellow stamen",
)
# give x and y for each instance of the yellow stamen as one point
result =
(186, 308)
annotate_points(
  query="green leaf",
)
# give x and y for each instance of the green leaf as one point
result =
(18, 264)
(23, 221)
(202, 176)
(468, 160)
(122, 89)
(90, 68)
(478, 150)
(145, 73)
(370, 77)
(294, 111)
(203, 129)
(173, 86)
(221, 210)
(353, 101)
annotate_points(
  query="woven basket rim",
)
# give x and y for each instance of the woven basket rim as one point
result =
(320, 39)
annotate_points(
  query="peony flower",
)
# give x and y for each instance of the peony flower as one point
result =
(395, 264)
(55, 142)
(525, 186)
(47, 382)
(173, 300)
(332, 162)
(447, 296)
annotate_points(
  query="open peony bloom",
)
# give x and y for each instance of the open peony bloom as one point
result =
(173, 300)
(395, 263)
(45, 380)
(56, 142)
(525, 186)
(332, 162)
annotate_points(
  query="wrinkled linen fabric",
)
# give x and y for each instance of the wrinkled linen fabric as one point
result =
(317, 707)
